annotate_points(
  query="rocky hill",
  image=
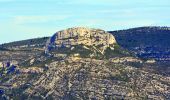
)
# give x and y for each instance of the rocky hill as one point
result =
(81, 35)
(79, 64)
(84, 42)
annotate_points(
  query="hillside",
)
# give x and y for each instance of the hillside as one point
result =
(73, 64)
(146, 42)
(25, 44)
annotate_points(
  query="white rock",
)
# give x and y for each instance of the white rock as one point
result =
(84, 36)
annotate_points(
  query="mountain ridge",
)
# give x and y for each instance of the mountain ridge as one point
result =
(127, 42)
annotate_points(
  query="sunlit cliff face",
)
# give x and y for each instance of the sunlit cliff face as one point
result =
(82, 36)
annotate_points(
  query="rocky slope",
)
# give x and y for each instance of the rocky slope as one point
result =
(82, 36)
(84, 42)
(84, 78)
(63, 73)
(97, 79)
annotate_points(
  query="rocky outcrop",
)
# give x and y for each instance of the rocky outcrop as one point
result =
(82, 36)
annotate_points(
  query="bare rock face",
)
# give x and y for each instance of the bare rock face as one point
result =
(82, 36)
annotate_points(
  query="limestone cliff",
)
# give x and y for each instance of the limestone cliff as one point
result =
(82, 36)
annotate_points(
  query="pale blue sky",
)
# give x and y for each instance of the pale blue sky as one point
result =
(24, 19)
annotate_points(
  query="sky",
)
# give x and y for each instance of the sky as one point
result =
(25, 19)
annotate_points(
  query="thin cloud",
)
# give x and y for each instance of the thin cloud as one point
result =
(39, 19)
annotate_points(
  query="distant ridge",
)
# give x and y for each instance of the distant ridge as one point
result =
(147, 42)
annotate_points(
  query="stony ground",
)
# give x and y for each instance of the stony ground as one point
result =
(90, 79)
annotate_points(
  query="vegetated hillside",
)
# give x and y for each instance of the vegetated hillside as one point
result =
(146, 42)
(3, 49)
(37, 43)
(20, 51)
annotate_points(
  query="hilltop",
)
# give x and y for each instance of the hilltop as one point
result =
(84, 42)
